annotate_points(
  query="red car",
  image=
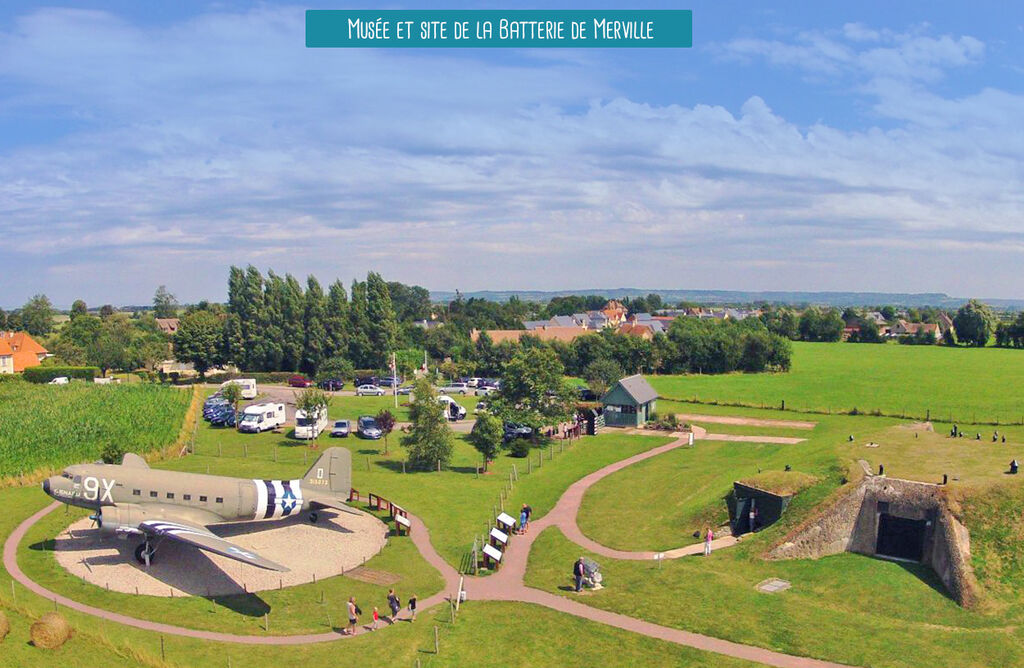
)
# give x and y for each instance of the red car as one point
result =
(299, 381)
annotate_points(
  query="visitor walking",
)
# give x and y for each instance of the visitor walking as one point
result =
(412, 608)
(709, 536)
(376, 619)
(577, 574)
(523, 519)
(353, 615)
(529, 514)
(394, 605)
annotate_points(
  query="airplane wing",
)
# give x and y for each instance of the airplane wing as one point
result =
(201, 537)
(332, 503)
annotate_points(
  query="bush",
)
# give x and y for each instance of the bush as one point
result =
(520, 447)
(41, 374)
(50, 631)
(112, 453)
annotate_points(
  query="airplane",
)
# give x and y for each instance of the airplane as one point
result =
(131, 499)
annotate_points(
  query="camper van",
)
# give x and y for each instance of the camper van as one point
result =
(261, 417)
(248, 386)
(452, 410)
(309, 427)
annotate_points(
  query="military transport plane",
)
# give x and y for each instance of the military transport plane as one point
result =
(133, 499)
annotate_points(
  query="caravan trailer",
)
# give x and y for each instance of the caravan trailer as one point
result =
(248, 386)
(261, 417)
(308, 428)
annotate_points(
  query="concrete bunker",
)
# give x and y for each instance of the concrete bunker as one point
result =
(893, 519)
(752, 508)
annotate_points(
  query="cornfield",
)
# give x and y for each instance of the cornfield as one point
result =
(51, 426)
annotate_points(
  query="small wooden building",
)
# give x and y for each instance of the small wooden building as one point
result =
(629, 403)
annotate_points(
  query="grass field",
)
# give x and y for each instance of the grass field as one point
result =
(847, 608)
(962, 384)
(49, 426)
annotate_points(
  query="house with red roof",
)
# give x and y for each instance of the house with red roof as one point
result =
(22, 350)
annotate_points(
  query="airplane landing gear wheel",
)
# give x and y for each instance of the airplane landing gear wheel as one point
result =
(144, 554)
(313, 517)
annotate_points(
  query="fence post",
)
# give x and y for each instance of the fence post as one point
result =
(437, 645)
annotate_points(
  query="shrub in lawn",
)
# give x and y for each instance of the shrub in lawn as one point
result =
(44, 374)
(520, 447)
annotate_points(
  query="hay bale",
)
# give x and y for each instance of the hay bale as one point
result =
(5, 625)
(50, 631)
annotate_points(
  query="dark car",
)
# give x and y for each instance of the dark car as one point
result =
(514, 430)
(587, 394)
(389, 381)
(299, 381)
(332, 384)
(366, 380)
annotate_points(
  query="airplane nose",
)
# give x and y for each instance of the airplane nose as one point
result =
(46, 486)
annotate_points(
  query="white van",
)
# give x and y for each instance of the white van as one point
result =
(261, 417)
(452, 409)
(248, 386)
(308, 428)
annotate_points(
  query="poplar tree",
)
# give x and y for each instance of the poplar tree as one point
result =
(336, 322)
(359, 337)
(314, 351)
(293, 312)
(383, 329)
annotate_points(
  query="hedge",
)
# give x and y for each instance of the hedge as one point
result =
(44, 374)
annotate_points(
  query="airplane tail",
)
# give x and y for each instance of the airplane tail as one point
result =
(332, 473)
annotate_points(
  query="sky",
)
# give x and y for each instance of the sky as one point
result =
(845, 146)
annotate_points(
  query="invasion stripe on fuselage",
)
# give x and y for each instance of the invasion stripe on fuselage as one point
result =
(261, 499)
(272, 486)
(277, 498)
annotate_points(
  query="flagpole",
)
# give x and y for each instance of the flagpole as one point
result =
(394, 378)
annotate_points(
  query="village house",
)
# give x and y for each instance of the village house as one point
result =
(168, 326)
(546, 333)
(22, 350)
(904, 328)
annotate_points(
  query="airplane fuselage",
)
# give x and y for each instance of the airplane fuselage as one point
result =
(230, 499)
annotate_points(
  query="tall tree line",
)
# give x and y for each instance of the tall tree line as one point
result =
(274, 323)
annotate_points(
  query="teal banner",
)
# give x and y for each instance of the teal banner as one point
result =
(492, 28)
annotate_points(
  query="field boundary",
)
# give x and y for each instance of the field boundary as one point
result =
(877, 412)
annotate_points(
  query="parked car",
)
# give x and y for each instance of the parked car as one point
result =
(452, 410)
(481, 407)
(367, 427)
(366, 380)
(389, 381)
(514, 430)
(59, 380)
(225, 418)
(404, 390)
(332, 384)
(474, 382)
(454, 388)
(483, 390)
(299, 380)
(340, 429)
(369, 390)
(587, 394)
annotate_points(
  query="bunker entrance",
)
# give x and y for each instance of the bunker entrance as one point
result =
(900, 537)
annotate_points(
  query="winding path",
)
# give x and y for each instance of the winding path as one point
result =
(505, 585)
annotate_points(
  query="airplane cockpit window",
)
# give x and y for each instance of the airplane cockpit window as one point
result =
(67, 475)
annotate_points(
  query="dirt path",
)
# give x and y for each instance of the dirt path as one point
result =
(752, 422)
(505, 585)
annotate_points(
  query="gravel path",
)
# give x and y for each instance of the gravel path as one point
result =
(330, 547)
(752, 422)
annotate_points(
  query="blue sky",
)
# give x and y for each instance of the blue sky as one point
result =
(797, 146)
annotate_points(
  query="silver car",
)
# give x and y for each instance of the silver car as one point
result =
(454, 388)
(340, 429)
(370, 391)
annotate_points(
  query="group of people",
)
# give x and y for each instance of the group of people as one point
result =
(957, 432)
(394, 604)
(524, 518)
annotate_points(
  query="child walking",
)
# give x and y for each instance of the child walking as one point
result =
(412, 608)
(710, 536)
(376, 619)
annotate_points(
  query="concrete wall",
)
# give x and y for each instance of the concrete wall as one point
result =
(850, 524)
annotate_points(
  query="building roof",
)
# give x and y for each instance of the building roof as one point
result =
(564, 321)
(636, 329)
(5, 348)
(168, 325)
(535, 324)
(25, 350)
(638, 388)
(547, 333)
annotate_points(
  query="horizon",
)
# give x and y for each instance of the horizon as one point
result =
(805, 150)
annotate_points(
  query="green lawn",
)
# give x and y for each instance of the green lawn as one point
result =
(846, 608)
(965, 384)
